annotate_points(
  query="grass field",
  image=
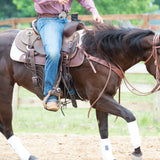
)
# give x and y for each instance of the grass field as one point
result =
(75, 121)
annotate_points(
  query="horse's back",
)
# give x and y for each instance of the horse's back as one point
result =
(7, 37)
(6, 40)
(10, 31)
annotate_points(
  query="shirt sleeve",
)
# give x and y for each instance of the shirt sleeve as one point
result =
(44, 1)
(89, 5)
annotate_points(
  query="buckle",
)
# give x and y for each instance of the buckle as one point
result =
(62, 15)
(56, 91)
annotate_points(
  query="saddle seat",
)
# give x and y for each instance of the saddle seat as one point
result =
(30, 39)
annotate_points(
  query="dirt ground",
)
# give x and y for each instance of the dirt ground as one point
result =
(74, 147)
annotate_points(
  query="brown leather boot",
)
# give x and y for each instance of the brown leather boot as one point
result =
(51, 106)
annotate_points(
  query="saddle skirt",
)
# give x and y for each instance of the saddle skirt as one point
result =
(29, 39)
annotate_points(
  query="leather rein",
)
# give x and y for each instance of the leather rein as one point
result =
(118, 70)
(154, 54)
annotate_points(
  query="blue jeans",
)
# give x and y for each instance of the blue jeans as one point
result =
(51, 32)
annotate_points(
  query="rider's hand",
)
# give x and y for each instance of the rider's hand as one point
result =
(97, 18)
(63, 1)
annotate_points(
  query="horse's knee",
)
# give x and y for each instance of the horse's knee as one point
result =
(128, 116)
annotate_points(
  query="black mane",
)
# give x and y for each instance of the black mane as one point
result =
(110, 40)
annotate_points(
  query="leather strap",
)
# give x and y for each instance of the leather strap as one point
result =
(102, 91)
(102, 62)
(34, 75)
(47, 15)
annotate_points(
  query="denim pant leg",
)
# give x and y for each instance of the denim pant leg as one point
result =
(51, 31)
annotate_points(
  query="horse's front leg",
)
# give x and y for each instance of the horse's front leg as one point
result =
(6, 121)
(106, 149)
(107, 104)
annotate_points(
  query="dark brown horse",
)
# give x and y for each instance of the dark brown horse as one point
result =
(119, 47)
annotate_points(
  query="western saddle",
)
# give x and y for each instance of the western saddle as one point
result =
(30, 39)
(29, 42)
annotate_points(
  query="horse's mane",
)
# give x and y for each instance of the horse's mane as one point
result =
(110, 40)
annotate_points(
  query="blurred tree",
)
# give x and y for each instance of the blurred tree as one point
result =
(124, 6)
(7, 9)
(26, 7)
(157, 2)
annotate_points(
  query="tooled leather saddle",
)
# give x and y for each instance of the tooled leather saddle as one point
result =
(30, 39)
(30, 44)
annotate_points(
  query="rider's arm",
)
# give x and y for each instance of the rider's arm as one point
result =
(89, 5)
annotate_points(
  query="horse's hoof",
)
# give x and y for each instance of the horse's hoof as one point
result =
(136, 156)
(32, 158)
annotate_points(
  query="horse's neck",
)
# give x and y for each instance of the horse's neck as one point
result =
(127, 62)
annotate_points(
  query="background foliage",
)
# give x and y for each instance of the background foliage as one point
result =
(25, 8)
(7, 9)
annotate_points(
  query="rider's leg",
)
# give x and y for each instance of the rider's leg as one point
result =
(51, 31)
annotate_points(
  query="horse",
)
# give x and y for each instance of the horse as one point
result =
(109, 52)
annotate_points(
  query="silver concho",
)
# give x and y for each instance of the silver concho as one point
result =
(62, 15)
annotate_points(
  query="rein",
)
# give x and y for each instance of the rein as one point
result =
(105, 86)
(154, 54)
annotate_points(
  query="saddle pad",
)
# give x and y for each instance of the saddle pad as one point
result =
(19, 56)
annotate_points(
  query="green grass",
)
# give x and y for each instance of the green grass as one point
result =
(38, 120)
(137, 79)
(75, 121)
(147, 126)
(25, 93)
(140, 78)
(130, 97)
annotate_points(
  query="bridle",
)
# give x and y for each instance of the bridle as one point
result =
(154, 54)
